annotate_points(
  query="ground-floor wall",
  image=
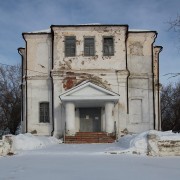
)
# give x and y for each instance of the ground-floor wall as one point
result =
(133, 113)
(38, 91)
(141, 104)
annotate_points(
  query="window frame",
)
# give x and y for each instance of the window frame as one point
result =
(65, 46)
(113, 48)
(94, 52)
(44, 117)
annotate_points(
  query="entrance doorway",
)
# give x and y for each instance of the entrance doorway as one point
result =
(90, 119)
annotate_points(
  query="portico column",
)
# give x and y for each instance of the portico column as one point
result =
(70, 118)
(109, 123)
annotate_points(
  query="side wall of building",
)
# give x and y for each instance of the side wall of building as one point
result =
(157, 87)
(140, 82)
(22, 52)
(38, 81)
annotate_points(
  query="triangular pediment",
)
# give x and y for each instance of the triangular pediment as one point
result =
(90, 91)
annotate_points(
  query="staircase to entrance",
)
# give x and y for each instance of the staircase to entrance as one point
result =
(90, 137)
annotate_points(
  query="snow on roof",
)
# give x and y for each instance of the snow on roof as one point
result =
(140, 30)
(90, 24)
(42, 31)
(131, 30)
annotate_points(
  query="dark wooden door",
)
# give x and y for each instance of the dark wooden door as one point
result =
(90, 119)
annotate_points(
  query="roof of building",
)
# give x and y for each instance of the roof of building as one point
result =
(90, 24)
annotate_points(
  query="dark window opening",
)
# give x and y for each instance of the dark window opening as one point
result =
(44, 112)
(108, 46)
(89, 48)
(70, 46)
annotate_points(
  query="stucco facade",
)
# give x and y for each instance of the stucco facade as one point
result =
(122, 89)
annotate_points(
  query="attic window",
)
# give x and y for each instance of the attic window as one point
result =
(108, 46)
(44, 112)
(89, 49)
(70, 46)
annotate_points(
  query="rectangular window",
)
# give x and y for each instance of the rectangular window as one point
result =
(89, 49)
(70, 46)
(108, 46)
(44, 112)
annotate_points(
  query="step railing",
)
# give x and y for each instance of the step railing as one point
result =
(64, 134)
(115, 130)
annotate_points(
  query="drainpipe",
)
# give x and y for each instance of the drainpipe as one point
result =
(52, 83)
(128, 72)
(22, 68)
(26, 84)
(159, 115)
(153, 78)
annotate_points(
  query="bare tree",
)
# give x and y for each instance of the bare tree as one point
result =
(175, 23)
(170, 107)
(170, 96)
(10, 98)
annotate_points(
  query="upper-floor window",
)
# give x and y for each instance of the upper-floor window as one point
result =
(70, 46)
(44, 112)
(108, 46)
(89, 48)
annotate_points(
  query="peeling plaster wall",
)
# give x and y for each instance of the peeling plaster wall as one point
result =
(99, 69)
(39, 54)
(38, 91)
(140, 83)
(6, 146)
(81, 62)
(157, 86)
(64, 80)
(38, 81)
(158, 147)
(133, 112)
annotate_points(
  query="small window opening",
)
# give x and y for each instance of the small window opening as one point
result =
(89, 48)
(70, 46)
(108, 46)
(44, 112)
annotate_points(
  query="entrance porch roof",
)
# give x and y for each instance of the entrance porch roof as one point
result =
(89, 93)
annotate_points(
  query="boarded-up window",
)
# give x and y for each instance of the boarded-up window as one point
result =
(108, 46)
(136, 110)
(89, 49)
(70, 46)
(44, 112)
(136, 48)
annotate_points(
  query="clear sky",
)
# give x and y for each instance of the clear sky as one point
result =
(17, 16)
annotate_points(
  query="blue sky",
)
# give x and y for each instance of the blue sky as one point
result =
(17, 16)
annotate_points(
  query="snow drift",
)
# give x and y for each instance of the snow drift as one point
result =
(153, 143)
(144, 144)
(29, 142)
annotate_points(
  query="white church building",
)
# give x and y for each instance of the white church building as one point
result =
(90, 78)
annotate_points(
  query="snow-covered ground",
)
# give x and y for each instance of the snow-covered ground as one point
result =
(51, 160)
(30, 142)
(86, 162)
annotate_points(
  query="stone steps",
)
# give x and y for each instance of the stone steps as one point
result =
(90, 137)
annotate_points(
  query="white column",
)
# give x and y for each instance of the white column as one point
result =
(109, 125)
(70, 118)
(103, 120)
(58, 128)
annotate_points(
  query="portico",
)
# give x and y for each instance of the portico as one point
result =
(89, 107)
